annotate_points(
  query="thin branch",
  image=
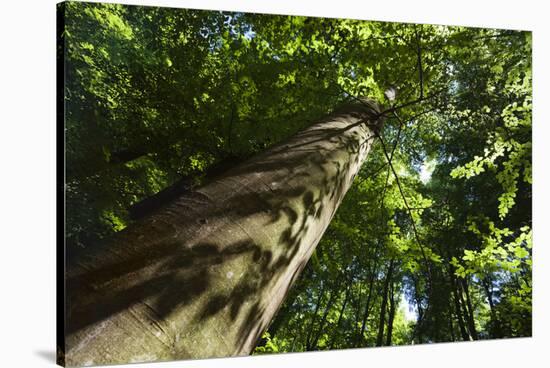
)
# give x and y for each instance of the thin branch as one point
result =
(415, 230)
(419, 61)
(413, 102)
(374, 172)
(397, 138)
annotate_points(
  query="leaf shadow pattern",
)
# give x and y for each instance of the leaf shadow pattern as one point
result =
(221, 258)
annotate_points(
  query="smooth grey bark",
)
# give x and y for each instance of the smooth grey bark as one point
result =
(204, 275)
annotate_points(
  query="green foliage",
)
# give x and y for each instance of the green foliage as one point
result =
(269, 347)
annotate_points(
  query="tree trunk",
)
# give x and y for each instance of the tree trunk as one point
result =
(460, 320)
(451, 326)
(381, 323)
(369, 297)
(391, 315)
(458, 308)
(204, 275)
(418, 327)
(314, 317)
(464, 309)
(471, 321)
(342, 310)
(333, 295)
(495, 324)
(358, 311)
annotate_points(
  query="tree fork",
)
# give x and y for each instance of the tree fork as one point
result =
(204, 276)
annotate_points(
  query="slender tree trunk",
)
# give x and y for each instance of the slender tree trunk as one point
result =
(489, 294)
(314, 317)
(495, 323)
(417, 331)
(391, 315)
(204, 275)
(369, 297)
(470, 314)
(333, 294)
(464, 309)
(458, 308)
(459, 314)
(342, 310)
(451, 325)
(357, 329)
(381, 323)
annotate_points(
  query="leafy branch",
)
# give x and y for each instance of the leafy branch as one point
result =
(409, 211)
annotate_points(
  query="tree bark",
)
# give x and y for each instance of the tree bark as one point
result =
(470, 314)
(369, 297)
(357, 329)
(381, 323)
(459, 314)
(464, 309)
(203, 276)
(391, 315)
(458, 307)
(314, 317)
(495, 324)
(418, 328)
(451, 326)
(333, 295)
(341, 314)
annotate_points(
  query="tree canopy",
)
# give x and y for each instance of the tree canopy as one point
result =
(433, 241)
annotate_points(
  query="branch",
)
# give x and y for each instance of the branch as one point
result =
(413, 102)
(397, 138)
(374, 172)
(419, 61)
(377, 170)
(415, 230)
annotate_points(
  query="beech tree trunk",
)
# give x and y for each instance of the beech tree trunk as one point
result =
(204, 275)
